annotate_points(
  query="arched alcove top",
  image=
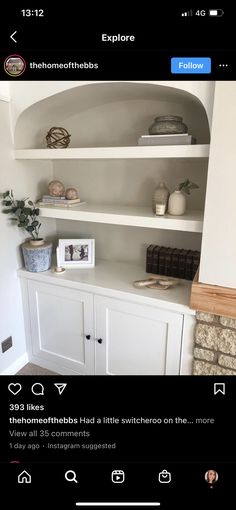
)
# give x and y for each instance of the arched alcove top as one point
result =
(96, 113)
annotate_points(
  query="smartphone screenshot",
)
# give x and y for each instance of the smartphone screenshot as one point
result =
(118, 279)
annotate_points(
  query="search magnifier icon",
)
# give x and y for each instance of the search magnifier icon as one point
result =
(70, 476)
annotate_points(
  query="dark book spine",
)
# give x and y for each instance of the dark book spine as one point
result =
(155, 260)
(162, 256)
(189, 265)
(168, 261)
(149, 254)
(182, 262)
(175, 263)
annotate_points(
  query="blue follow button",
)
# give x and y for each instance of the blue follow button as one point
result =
(190, 65)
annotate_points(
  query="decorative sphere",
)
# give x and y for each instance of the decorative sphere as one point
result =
(71, 193)
(58, 138)
(56, 189)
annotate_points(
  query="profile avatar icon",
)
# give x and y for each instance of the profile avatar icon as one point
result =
(211, 476)
(14, 65)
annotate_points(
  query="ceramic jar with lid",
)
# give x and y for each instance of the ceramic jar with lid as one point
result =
(168, 125)
(37, 255)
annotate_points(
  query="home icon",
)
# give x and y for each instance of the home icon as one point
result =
(24, 477)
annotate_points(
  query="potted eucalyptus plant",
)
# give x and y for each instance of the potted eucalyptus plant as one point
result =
(177, 200)
(37, 253)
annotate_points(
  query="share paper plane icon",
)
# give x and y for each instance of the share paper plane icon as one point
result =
(60, 387)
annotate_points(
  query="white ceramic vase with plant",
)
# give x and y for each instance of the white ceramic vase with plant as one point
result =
(177, 200)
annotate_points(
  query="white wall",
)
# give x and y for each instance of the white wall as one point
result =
(25, 94)
(4, 91)
(218, 261)
(108, 113)
(129, 183)
(26, 179)
(126, 244)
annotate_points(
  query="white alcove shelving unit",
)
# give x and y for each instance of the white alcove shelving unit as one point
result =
(116, 178)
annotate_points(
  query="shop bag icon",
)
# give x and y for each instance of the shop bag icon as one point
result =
(164, 476)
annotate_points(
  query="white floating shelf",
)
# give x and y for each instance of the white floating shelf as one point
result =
(192, 221)
(137, 152)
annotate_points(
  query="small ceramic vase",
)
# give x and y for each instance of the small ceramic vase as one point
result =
(177, 203)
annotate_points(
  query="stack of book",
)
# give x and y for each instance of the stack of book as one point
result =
(182, 139)
(172, 262)
(59, 201)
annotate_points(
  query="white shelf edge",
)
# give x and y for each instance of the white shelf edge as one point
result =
(192, 221)
(136, 152)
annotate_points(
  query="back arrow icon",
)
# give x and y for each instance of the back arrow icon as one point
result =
(12, 36)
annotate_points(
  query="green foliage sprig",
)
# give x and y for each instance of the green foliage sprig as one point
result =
(187, 186)
(25, 213)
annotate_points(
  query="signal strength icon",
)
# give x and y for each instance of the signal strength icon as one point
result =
(187, 13)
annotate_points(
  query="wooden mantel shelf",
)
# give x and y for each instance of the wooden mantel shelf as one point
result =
(213, 299)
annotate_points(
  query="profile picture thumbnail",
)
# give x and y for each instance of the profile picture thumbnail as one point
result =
(211, 476)
(14, 65)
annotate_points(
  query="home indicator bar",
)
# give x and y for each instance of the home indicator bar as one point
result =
(118, 504)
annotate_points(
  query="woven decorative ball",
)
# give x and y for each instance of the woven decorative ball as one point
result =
(56, 189)
(58, 138)
(71, 193)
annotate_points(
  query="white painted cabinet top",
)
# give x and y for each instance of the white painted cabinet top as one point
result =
(115, 279)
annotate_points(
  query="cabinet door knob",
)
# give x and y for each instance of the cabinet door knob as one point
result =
(100, 340)
(88, 337)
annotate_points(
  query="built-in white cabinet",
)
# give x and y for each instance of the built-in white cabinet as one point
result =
(71, 331)
(133, 339)
(61, 323)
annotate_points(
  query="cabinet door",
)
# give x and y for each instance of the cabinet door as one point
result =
(136, 339)
(60, 319)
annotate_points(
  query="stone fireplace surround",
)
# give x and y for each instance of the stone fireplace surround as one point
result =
(214, 345)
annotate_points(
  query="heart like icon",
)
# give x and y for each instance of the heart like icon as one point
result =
(14, 388)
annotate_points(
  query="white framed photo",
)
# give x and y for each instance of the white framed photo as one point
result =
(77, 252)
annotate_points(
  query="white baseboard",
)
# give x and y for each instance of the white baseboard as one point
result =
(54, 367)
(17, 365)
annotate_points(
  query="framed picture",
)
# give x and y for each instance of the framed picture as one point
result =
(77, 252)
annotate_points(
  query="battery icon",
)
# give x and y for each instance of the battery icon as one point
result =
(216, 12)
